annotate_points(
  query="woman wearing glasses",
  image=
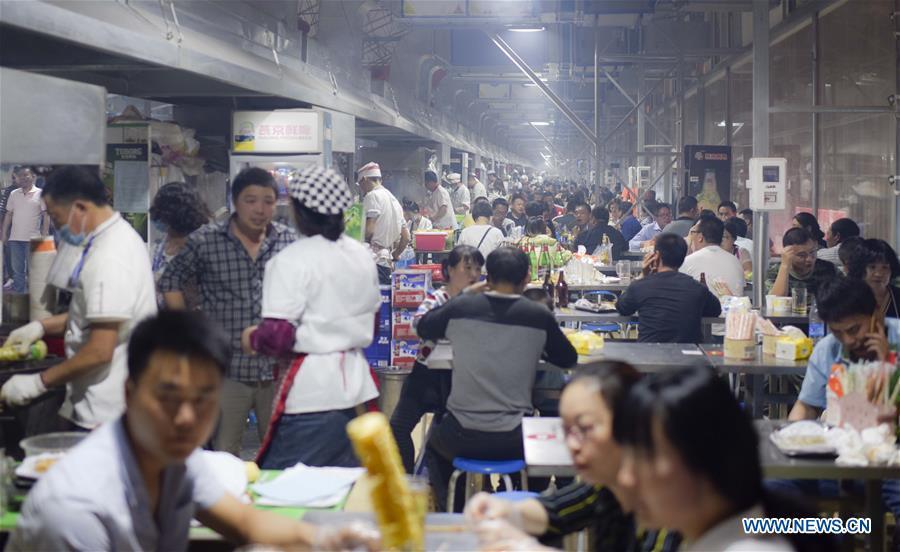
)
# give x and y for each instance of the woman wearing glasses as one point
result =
(586, 406)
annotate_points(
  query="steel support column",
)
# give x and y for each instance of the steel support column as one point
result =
(598, 179)
(520, 63)
(816, 100)
(760, 141)
(679, 133)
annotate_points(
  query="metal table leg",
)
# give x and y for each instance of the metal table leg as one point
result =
(875, 508)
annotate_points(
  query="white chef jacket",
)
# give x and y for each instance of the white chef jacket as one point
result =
(434, 200)
(476, 191)
(381, 205)
(329, 291)
(460, 196)
(115, 285)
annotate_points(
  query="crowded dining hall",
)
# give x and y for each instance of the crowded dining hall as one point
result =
(450, 275)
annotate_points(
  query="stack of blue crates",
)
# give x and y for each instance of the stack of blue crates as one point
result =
(379, 352)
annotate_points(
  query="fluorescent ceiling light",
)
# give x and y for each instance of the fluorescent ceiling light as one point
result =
(525, 28)
(539, 123)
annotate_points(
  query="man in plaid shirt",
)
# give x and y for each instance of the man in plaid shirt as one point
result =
(228, 261)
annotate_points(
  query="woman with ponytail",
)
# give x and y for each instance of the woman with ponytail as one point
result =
(320, 300)
(427, 390)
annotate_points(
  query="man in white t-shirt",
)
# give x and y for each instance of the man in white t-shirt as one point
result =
(460, 197)
(722, 270)
(439, 207)
(482, 235)
(22, 223)
(104, 263)
(386, 230)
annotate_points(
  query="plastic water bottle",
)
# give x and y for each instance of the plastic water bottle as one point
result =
(816, 325)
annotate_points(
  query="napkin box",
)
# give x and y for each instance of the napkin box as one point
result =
(744, 349)
(793, 348)
(769, 343)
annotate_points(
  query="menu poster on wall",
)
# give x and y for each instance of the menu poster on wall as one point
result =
(127, 178)
(708, 174)
(294, 131)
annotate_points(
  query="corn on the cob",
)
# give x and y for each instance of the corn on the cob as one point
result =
(376, 448)
(38, 351)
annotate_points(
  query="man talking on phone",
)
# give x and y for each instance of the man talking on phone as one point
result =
(670, 304)
(857, 332)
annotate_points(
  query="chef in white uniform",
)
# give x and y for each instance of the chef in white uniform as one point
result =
(103, 262)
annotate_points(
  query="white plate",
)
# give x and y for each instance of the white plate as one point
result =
(27, 469)
(789, 448)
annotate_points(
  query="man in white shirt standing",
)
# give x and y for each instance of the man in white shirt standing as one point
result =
(438, 204)
(104, 263)
(460, 197)
(386, 230)
(22, 223)
(720, 267)
(476, 188)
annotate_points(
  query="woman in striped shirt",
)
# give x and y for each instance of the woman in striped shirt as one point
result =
(427, 390)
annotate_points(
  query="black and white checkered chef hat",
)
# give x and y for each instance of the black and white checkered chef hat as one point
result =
(321, 190)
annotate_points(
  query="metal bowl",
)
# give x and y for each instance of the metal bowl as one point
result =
(51, 442)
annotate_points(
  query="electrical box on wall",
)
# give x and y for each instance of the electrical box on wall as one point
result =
(768, 183)
(638, 177)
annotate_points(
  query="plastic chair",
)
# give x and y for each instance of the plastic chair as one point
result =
(602, 294)
(483, 467)
(603, 327)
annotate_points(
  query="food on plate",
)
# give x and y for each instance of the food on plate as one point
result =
(799, 435)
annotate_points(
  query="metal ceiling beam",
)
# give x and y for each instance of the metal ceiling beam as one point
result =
(520, 63)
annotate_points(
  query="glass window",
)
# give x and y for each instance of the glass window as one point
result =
(790, 69)
(714, 113)
(856, 157)
(858, 54)
(741, 91)
(790, 136)
(858, 150)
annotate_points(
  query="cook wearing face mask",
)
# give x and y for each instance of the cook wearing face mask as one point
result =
(103, 262)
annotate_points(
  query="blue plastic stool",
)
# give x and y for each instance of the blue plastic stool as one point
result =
(516, 496)
(483, 467)
(608, 327)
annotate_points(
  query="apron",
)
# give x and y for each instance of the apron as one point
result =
(285, 381)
